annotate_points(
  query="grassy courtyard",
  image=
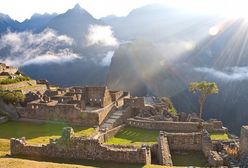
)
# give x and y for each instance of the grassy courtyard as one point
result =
(189, 159)
(134, 136)
(35, 133)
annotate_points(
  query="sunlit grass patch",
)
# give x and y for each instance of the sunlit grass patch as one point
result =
(134, 136)
(219, 136)
(35, 133)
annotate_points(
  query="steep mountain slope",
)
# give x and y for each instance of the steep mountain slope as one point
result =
(6, 23)
(140, 68)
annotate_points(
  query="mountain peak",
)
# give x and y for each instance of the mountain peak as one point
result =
(78, 10)
(77, 6)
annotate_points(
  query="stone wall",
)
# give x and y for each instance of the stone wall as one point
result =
(60, 112)
(107, 99)
(116, 95)
(214, 159)
(9, 110)
(69, 113)
(207, 145)
(8, 69)
(171, 126)
(103, 112)
(164, 156)
(97, 96)
(18, 85)
(135, 102)
(35, 89)
(185, 141)
(80, 149)
(110, 133)
(196, 141)
(244, 139)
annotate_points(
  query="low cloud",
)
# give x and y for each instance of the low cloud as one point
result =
(174, 50)
(229, 74)
(107, 59)
(101, 35)
(24, 48)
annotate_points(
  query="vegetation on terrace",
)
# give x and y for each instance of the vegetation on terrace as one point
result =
(14, 80)
(3, 77)
(12, 97)
(134, 136)
(218, 136)
(169, 104)
(35, 133)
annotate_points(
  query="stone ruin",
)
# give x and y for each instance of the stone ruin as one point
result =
(181, 133)
(108, 110)
(9, 70)
(77, 148)
(87, 106)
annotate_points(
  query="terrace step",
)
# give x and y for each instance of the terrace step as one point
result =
(109, 123)
(115, 116)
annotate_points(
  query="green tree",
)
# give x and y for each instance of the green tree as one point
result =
(203, 89)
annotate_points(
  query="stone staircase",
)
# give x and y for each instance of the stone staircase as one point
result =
(112, 120)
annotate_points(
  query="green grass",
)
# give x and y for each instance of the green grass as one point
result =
(15, 80)
(219, 136)
(134, 136)
(40, 133)
(189, 159)
(26, 87)
(24, 163)
(35, 133)
(3, 77)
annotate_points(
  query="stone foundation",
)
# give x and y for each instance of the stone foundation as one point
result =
(81, 149)
(172, 126)
(185, 141)
(164, 156)
(244, 140)
(18, 85)
(69, 113)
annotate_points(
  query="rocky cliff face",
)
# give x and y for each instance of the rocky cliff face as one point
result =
(140, 68)
(8, 109)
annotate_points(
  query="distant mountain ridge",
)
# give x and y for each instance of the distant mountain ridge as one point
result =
(37, 21)
(6, 23)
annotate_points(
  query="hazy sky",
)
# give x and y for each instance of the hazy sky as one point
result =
(22, 9)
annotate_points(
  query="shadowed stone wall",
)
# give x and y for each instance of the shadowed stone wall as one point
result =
(135, 102)
(244, 139)
(164, 156)
(69, 113)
